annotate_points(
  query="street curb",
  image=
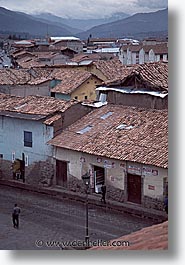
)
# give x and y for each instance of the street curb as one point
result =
(138, 211)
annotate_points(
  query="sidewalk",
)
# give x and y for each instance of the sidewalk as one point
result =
(129, 208)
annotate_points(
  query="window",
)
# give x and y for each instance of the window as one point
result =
(76, 97)
(103, 97)
(84, 130)
(124, 126)
(1, 156)
(53, 94)
(105, 116)
(85, 97)
(27, 139)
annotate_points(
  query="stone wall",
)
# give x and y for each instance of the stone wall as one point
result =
(114, 194)
(154, 203)
(75, 185)
(6, 169)
(38, 173)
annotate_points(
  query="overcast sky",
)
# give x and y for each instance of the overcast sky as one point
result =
(84, 8)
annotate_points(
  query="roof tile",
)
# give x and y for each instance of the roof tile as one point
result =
(146, 142)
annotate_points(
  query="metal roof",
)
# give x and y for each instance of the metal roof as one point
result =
(130, 91)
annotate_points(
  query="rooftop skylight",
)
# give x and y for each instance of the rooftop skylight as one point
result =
(105, 116)
(124, 126)
(21, 106)
(86, 129)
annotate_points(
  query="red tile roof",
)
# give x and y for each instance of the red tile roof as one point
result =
(37, 105)
(143, 139)
(81, 57)
(160, 48)
(19, 77)
(150, 238)
(112, 69)
(154, 75)
(70, 79)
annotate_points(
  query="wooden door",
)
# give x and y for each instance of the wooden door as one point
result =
(134, 188)
(61, 173)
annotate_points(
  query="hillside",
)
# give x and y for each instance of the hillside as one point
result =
(80, 24)
(11, 21)
(137, 26)
(57, 21)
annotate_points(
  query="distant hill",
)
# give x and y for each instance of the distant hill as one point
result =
(81, 24)
(11, 21)
(57, 21)
(138, 26)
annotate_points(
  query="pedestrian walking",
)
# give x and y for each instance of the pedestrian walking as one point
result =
(15, 216)
(103, 192)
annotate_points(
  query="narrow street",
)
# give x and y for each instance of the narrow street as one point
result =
(45, 218)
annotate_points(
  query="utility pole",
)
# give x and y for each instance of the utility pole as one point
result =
(86, 179)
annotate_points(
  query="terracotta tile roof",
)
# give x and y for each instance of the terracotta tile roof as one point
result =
(50, 120)
(71, 79)
(154, 75)
(13, 77)
(34, 59)
(27, 63)
(36, 105)
(133, 48)
(22, 52)
(161, 48)
(154, 237)
(45, 54)
(143, 137)
(81, 57)
(19, 77)
(112, 69)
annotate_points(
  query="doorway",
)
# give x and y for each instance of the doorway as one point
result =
(99, 178)
(134, 188)
(61, 173)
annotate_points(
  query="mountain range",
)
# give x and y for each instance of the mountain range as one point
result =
(136, 26)
(119, 25)
(79, 24)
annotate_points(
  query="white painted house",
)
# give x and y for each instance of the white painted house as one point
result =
(26, 125)
(139, 54)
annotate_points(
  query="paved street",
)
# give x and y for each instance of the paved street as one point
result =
(47, 219)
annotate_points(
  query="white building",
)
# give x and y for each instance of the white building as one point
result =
(139, 54)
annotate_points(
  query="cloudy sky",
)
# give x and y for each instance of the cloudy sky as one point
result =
(84, 8)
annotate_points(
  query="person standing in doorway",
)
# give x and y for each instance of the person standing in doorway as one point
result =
(103, 191)
(15, 216)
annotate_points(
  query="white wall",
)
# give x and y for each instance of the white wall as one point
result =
(12, 139)
(115, 170)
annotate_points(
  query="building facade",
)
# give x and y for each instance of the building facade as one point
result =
(26, 125)
(117, 146)
(126, 181)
